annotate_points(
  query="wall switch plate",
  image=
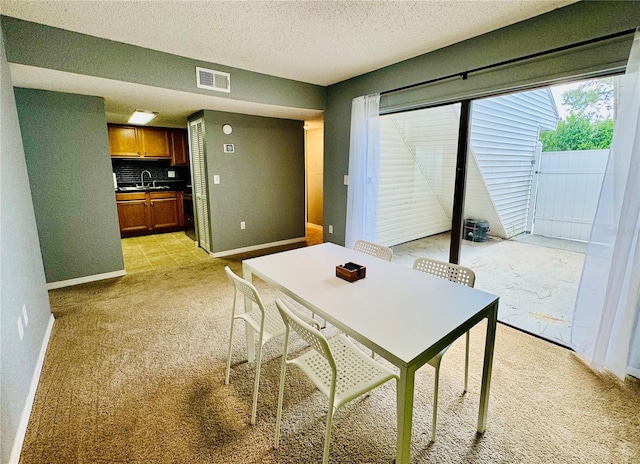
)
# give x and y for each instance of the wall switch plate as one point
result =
(216, 179)
(228, 148)
(330, 229)
(346, 179)
(24, 315)
(242, 225)
(20, 329)
(171, 174)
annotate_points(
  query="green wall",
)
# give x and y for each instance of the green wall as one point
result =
(67, 153)
(261, 183)
(22, 273)
(49, 47)
(569, 25)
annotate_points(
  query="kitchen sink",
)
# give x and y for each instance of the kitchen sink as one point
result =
(140, 188)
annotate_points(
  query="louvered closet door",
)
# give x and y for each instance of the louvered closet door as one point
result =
(201, 207)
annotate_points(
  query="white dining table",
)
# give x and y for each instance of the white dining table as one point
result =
(405, 316)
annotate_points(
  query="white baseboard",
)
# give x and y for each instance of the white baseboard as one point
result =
(86, 279)
(16, 449)
(262, 246)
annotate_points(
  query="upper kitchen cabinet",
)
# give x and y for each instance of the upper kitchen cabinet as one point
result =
(154, 142)
(179, 149)
(139, 142)
(123, 141)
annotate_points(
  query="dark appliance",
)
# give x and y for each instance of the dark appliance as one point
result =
(476, 230)
(187, 207)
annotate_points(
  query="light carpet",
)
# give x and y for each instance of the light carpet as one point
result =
(134, 373)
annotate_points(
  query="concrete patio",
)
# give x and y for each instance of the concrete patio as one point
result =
(535, 277)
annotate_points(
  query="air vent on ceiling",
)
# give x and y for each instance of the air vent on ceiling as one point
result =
(213, 80)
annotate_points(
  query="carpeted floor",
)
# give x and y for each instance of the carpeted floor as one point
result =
(135, 367)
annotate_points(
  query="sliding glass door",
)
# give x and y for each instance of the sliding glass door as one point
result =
(417, 174)
(529, 200)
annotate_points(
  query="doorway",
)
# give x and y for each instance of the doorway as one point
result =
(314, 175)
(534, 173)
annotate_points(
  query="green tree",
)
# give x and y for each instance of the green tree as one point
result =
(589, 125)
(602, 134)
(592, 99)
(578, 133)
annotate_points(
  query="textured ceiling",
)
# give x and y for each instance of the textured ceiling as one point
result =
(320, 42)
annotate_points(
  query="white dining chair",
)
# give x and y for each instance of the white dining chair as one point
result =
(373, 249)
(263, 318)
(461, 275)
(338, 368)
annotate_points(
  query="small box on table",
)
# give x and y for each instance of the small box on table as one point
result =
(351, 272)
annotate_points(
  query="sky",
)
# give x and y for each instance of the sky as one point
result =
(557, 91)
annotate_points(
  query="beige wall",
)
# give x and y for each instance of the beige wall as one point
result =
(314, 167)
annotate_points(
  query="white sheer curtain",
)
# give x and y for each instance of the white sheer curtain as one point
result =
(605, 322)
(364, 160)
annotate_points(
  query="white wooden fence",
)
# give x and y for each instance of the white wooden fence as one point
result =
(568, 187)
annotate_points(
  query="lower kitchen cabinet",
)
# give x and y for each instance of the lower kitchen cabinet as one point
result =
(141, 213)
(164, 210)
(133, 213)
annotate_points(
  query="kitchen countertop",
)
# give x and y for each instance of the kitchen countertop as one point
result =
(147, 188)
(150, 188)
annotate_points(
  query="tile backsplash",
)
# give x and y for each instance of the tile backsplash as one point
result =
(129, 171)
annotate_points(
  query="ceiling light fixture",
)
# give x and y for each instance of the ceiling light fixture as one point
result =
(141, 117)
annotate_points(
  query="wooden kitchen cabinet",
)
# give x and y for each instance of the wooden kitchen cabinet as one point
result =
(139, 142)
(141, 213)
(164, 210)
(179, 148)
(154, 142)
(133, 212)
(123, 142)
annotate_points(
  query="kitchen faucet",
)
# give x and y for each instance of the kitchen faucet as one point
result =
(142, 177)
